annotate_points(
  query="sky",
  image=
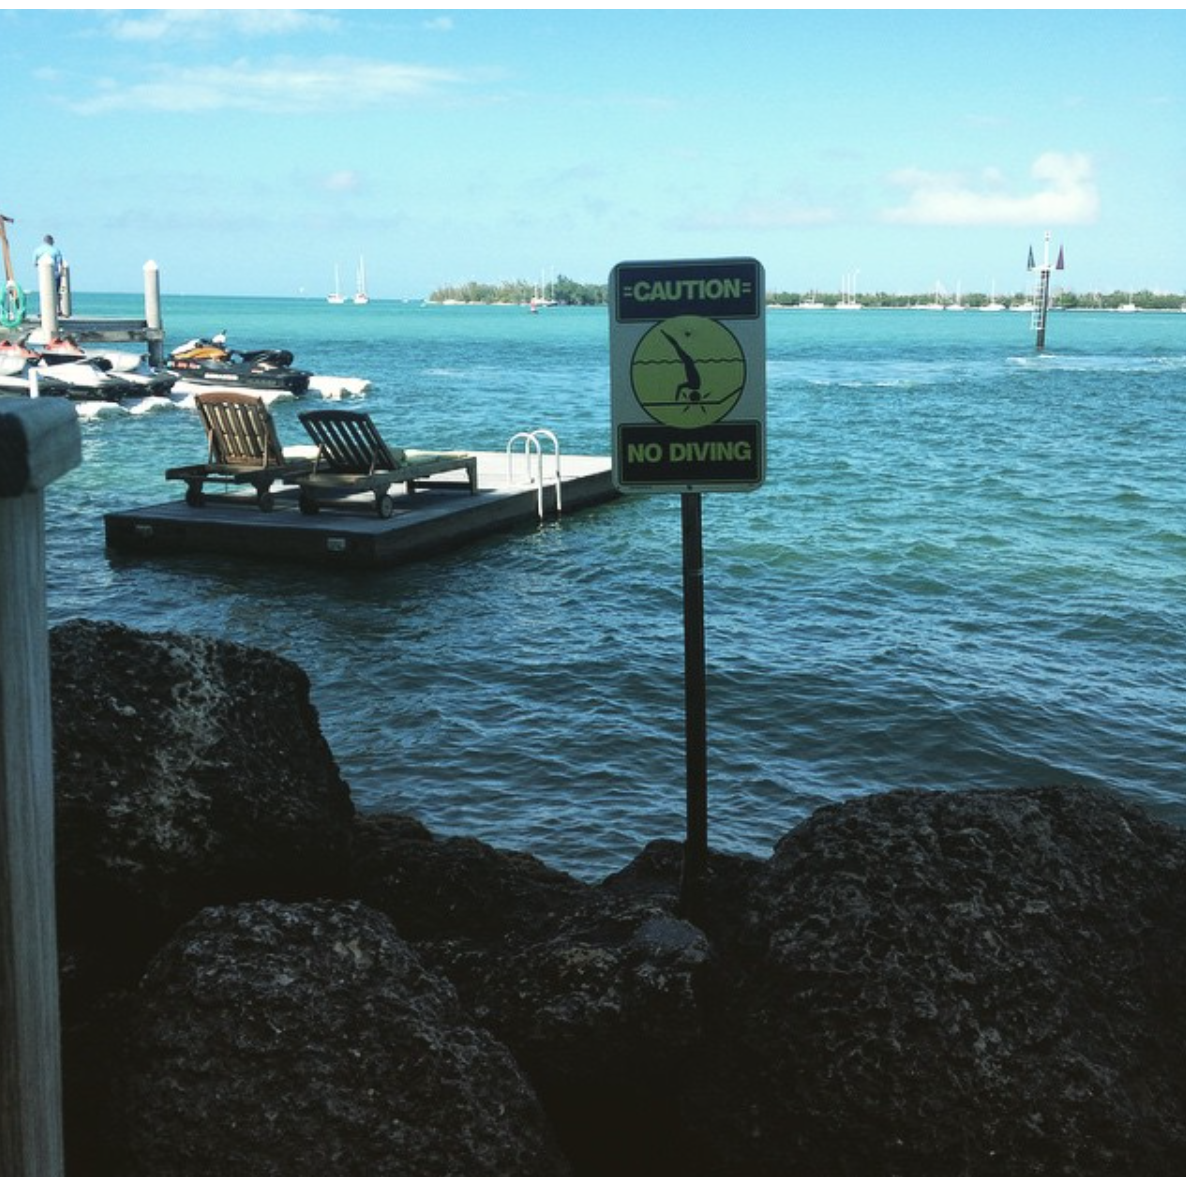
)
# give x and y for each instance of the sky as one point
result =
(250, 152)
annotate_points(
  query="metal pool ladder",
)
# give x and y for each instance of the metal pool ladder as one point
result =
(533, 443)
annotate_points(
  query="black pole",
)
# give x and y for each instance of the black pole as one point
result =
(695, 710)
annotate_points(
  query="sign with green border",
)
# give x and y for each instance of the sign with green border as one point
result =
(688, 375)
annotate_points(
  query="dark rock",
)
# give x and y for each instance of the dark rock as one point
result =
(605, 1016)
(914, 984)
(656, 875)
(310, 1040)
(960, 984)
(188, 772)
(598, 991)
(607, 1010)
(454, 888)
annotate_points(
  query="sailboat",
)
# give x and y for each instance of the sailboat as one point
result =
(360, 290)
(540, 299)
(937, 303)
(848, 292)
(993, 305)
(336, 297)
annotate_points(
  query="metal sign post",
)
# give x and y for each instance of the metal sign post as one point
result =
(695, 709)
(688, 394)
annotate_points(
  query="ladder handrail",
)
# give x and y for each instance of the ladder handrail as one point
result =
(531, 441)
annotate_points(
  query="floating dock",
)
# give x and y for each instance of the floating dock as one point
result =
(440, 515)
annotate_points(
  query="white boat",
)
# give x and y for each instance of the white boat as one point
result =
(810, 303)
(937, 303)
(360, 289)
(993, 306)
(541, 298)
(336, 297)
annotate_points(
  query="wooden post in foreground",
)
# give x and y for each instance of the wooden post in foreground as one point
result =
(39, 442)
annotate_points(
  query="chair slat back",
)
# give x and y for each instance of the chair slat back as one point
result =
(239, 429)
(349, 442)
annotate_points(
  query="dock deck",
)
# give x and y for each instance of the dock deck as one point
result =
(439, 516)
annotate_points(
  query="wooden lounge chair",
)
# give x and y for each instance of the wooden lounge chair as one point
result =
(242, 447)
(352, 457)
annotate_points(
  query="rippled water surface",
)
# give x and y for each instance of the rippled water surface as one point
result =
(967, 568)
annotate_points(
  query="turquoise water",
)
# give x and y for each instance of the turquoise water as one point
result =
(967, 568)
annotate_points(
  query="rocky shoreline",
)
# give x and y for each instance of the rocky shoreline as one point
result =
(257, 979)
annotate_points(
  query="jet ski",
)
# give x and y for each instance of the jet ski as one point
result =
(14, 357)
(62, 368)
(88, 379)
(210, 363)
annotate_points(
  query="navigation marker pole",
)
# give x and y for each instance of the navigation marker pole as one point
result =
(1042, 297)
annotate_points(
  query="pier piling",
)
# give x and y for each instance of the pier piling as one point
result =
(47, 288)
(65, 297)
(152, 313)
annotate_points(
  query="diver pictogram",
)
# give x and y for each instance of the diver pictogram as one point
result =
(688, 372)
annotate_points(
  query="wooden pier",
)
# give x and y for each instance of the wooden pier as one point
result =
(57, 318)
(108, 330)
(439, 516)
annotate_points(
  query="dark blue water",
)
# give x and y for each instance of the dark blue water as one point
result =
(967, 568)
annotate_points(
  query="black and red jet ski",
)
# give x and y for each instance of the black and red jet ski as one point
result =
(210, 362)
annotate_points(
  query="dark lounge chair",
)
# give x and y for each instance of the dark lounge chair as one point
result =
(353, 458)
(242, 447)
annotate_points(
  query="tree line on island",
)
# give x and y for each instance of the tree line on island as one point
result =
(565, 291)
(561, 291)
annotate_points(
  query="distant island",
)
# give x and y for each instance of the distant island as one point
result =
(1063, 299)
(561, 291)
(564, 291)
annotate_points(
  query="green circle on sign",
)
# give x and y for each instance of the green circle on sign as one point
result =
(688, 372)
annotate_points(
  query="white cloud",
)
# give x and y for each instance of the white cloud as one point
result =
(279, 87)
(1065, 194)
(343, 181)
(198, 24)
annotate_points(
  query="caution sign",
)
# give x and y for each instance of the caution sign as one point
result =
(688, 375)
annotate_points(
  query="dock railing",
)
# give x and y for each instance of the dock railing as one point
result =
(39, 442)
(533, 446)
